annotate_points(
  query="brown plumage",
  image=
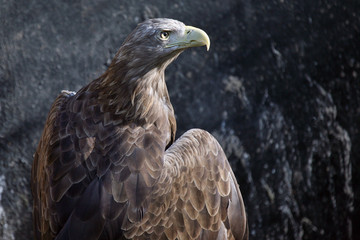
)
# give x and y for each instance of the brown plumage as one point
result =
(107, 166)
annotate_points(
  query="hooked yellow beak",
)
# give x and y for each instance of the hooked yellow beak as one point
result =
(193, 37)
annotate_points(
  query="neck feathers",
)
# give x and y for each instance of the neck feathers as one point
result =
(133, 92)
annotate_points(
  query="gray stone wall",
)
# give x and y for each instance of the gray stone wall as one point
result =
(279, 89)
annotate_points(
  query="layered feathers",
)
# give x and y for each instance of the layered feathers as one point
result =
(107, 166)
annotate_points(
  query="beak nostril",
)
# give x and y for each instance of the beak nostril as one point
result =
(188, 31)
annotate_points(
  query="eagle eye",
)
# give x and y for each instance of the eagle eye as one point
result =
(164, 35)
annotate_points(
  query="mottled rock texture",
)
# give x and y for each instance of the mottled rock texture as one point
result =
(280, 89)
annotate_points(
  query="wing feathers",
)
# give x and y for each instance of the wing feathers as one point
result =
(212, 202)
(205, 187)
(136, 160)
(191, 211)
(192, 226)
(110, 181)
(119, 193)
(136, 189)
(197, 198)
(77, 174)
(59, 188)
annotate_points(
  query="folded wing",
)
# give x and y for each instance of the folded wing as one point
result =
(197, 196)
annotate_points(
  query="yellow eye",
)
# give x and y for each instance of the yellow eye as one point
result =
(164, 35)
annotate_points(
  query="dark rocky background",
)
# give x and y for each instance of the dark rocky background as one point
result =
(279, 89)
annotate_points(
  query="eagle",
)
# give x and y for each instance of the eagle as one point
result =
(107, 165)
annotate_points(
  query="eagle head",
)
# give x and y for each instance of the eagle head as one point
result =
(157, 42)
